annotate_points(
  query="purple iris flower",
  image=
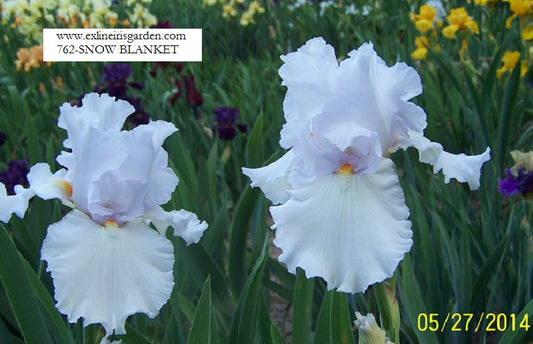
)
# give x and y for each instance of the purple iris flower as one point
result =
(525, 181)
(14, 175)
(115, 77)
(116, 85)
(512, 184)
(225, 118)
(139, 116)
(509, 185)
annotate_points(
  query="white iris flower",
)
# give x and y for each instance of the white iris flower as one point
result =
(342, 213)
(105, 261)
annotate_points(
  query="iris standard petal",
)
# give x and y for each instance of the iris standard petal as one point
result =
(104, 274)
(162, 179)
(302, 103)
(273, 178)
(17, 203)
(352, 230)
(94, 153)
(376, 96)
(310, 64)
(162, 183)
(184, 223)
(119, 175)
(101, 111)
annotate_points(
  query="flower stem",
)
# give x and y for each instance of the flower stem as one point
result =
(388, 308)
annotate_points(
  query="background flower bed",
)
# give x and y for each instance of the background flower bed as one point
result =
(472, 252)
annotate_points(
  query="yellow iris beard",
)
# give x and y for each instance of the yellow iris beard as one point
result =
(345, 170)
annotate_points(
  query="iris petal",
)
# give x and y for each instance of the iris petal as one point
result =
(464, 168)
(184, 223)
(47, 185)
(17, 203)
(273, 178)
(352, 230)
(106, 274)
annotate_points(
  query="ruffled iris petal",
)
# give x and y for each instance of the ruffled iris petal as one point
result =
(101, 111)
(116, 175)
(377, 96)
(17, 203)
(273, 178)
(351, 230)
(311, 64)
(105, 274)
(47, 185)
(184, 223)
(464, 168)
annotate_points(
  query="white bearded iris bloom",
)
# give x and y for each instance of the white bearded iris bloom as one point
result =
(342, 213)
(105, 261)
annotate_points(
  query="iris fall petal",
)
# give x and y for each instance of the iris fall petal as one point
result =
(104, 274)
(331, 225)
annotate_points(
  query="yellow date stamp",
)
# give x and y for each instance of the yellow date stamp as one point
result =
(457, 322)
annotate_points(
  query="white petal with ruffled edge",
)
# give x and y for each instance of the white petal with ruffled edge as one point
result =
(273, 178)
(17, 203)
(313, 64)
(351, 230)
(185, 224)
(105, 274)
(118, 176)
(464, 168)
(47, 185)
(100, 111)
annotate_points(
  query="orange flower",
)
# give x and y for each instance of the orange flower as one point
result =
(24, 57)
(29, 58)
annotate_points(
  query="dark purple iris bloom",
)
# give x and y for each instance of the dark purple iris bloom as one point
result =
(116, 85)
(225, 126)
(525, 181)
(3, 138)
(509, 185)
(522, 183)
(115, 77)
(139, 116)
(14, 175)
